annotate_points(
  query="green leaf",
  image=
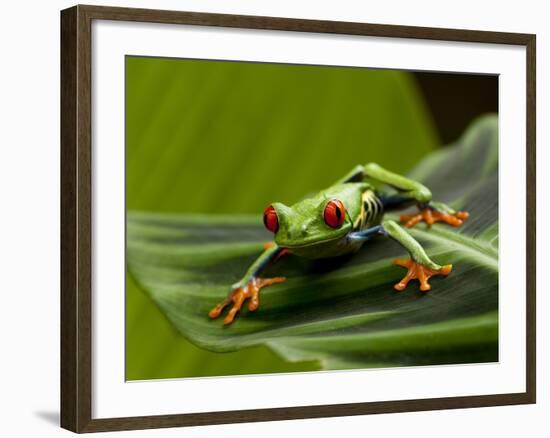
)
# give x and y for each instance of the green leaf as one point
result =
(342, 312)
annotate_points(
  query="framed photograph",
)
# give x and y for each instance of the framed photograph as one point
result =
(271, 218)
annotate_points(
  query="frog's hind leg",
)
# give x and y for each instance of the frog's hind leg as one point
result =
(419, 266)
(357, 174)
(409, 190)
(412, 192)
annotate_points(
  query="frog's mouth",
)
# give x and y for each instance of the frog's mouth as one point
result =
(311, 242)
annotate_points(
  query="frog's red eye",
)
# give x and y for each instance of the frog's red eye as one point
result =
(271, 221)
(335, 213)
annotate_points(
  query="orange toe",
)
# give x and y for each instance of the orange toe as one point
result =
(416, 271)
(238, 296)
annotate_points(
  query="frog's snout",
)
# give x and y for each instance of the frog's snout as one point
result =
(298, 233)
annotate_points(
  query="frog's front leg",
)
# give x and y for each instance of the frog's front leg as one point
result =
(419, 266)
(249, 286)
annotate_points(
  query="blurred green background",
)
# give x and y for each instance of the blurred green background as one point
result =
(231, 137)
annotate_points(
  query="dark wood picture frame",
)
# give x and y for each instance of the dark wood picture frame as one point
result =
(76, 217)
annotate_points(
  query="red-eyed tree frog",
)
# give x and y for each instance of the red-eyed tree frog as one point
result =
(338, 221)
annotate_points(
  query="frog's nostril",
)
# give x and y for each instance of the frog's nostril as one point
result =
(304, 230)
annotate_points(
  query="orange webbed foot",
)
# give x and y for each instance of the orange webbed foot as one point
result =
(431, 216)
(239, 295)
(419, 272)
